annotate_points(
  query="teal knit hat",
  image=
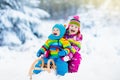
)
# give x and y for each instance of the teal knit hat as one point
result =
(62, 32)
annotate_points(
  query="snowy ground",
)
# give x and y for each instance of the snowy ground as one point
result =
(101, 56)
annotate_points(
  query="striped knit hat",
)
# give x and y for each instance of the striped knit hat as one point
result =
(75, 20)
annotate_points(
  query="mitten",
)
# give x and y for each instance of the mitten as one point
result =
(66, 58)
(62, 53)
(39, 53)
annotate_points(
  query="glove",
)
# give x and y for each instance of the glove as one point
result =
(62, 53)
(39, 53)
(66, 58)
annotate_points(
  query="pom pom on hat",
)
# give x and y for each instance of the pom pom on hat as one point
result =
(76, 18)
(75, 21)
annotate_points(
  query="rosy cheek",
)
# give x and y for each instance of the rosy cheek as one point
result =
(76, 29)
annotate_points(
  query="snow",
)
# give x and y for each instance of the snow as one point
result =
(100, 52)
(20, 20)
(38, 13)
(11, 38)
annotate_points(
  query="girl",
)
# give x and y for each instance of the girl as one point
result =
(74, 36)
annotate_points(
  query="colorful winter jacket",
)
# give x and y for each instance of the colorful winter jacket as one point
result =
(54, 46)
(74, 41)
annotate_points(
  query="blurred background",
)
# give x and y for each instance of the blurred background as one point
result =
(21, 18)
(26, 24)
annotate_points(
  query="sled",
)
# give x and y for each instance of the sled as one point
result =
(45, 67)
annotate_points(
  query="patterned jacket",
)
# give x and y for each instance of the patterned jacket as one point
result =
(54, 46)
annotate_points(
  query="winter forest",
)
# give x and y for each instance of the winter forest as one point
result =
(26, 24)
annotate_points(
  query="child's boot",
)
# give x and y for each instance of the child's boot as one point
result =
(37, 66)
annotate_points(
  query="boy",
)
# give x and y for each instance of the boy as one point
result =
(56, 47)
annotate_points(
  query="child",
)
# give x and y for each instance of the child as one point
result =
(56, 47)
(74, 36)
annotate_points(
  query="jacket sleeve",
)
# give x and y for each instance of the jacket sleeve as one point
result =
(45, 47)
(66, 45)
(77, 43)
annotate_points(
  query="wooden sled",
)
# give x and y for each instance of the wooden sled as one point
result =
(45, 67)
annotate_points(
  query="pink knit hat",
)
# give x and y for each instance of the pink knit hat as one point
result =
(75, 20)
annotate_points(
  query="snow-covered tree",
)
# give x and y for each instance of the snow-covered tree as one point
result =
(19, 22)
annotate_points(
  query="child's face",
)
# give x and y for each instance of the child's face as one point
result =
(73, 29)
(56, 32)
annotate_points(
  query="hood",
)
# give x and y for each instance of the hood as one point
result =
(62, 32)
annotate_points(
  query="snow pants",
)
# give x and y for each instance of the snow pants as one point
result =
(74, 63)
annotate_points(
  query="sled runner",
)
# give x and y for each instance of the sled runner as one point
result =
(44, 67)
